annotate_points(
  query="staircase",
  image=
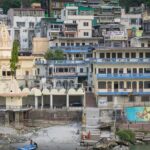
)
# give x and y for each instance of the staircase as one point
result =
(90, 100)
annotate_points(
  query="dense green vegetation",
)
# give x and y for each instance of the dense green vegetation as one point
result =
(14, 57)
(54, 55)
(126, 135)
(6, 4)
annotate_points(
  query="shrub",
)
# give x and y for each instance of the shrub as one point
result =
(126, 135)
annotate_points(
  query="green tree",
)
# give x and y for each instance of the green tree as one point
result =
(54, 55)
(6, 4)
(14, 58)
(59, 55)
(49, 55)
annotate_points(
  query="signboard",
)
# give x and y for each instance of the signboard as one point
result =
(138, 114)
(116, 35)
(102, 101)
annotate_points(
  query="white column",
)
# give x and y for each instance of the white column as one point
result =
(67, 101)
(42, 102)
(36, 102)
(51, 101)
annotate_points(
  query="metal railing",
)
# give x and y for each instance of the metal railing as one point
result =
(122, 60)
(123, 76)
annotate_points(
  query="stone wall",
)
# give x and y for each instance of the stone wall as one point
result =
(60, 115)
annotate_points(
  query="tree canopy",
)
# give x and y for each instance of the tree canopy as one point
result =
(54, 55)
(14, 57)
(6, 4)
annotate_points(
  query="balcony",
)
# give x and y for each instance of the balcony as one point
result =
(123, 92)
(75, 49)
(55, 29)
(64, 74)
(122, 60)
(123, 76)
(66, 62)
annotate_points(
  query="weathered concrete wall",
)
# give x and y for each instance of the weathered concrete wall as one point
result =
(55, 115)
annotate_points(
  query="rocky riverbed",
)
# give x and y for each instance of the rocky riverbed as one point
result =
(57, 137)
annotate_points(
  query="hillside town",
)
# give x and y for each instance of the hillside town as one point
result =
(81, 61)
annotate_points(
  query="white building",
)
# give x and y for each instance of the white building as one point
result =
(130, 20)
(22, 24)
(77, 28)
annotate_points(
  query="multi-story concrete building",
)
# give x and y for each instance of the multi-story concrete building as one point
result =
(121, 77)
(77, 28)
(22, 22)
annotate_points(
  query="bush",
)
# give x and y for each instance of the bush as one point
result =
(126, 135)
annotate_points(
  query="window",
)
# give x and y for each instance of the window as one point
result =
(127, 55)
(142, 45)
(121, 71)
(145, 98)
(86, 33)
(81, 70)
(115, 70)
(62, 44)
(77, 44)
(121, 84)
(133, 55)
(108, 70)
(131, 98)
(83, 44)
(109, 98)
(148, 43)
(102, 55)
(38, 71)
(146, 70)
(102, 70)
(129, 70)
(133, 21)
(147, 55)
(128, 85)
(134, 70)
(113, 55)
(140, 55)
(8, 73)
(4, 73)
(147, 84)
(74, 21)
(119, 55)
(140, 70)
(102, 85)
(85, 24)
(107, 55)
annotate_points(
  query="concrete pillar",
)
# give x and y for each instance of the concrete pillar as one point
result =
(36, 102)
(51, 101)
(137, 86)
(6, 118)
(84, 100)
(17, 118)
(42, 102)
(67, 101)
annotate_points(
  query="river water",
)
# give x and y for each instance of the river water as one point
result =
(140, 147)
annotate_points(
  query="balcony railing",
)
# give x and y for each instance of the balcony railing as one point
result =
(126, 93)
(123, 76)
(63, 74)
(66, 62)
(122, 60)
(19, 77)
